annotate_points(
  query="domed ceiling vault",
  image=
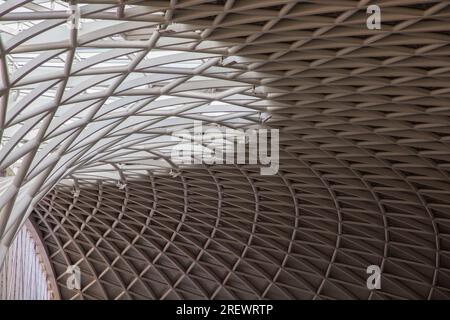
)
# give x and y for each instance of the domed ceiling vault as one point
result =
(364, 154)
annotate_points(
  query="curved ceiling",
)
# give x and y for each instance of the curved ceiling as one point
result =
(364, 154)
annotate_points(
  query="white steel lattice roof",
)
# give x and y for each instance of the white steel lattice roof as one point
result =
(364, 146)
